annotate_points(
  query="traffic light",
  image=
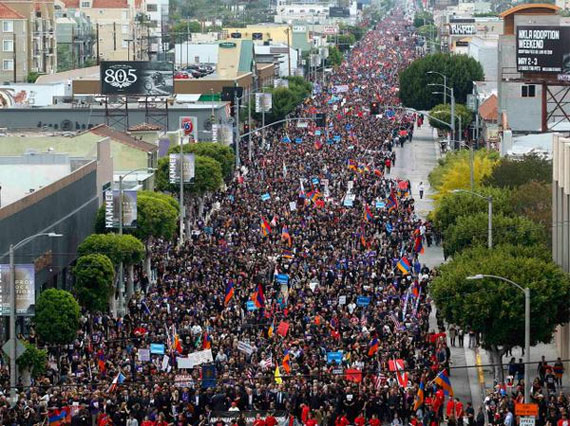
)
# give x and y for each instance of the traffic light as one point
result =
(320, 119)
(374, 108)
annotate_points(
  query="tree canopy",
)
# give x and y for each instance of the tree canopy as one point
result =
(94, 275)
(118, 248)
(461, 71)
(494, 308)
(33, 359)
(453, 205)
(207, 176)
(221, 153)
(512, 172)
(533, 200)
(157, 215)
(57, 316)
(472, 231)
(443, 112)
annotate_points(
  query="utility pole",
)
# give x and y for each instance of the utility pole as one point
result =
(97, 34)
(114, 36)
(73, 47)
(249, 147)
(182, 209)
(15, 57)
(289, 51)
(236, 112)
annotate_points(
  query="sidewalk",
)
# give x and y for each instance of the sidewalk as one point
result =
(414, 162)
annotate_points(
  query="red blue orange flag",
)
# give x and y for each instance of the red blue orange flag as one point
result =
(373, 347)
(265, 228)
(419, 397)
(229, 292)
(442, 379)
(285, 235)
(404, 266)
(258, 297)
(418, 246)
(367, 213)
(207, 342)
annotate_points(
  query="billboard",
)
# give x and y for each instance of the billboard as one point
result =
(146, 78)
(462, 29)
(543, 49)
(174, 168)
(263, 102)
(330, 29)
(189, 125)
(25, 289)
(112, 208)
(339, 12)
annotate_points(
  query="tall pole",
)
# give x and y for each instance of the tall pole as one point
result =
(452, 114)
(445, 89)
(460, 133)
(471, 167)
(249, 146)
(182, 209)
(490, 225)
(114, 36)
(97, 35)
(262, 104)
(236, 112)
(15, 57)
(121, 296)
(288, 51)
(526, 344)
(13, 370)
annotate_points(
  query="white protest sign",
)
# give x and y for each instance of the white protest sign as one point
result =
(246, 348)
(196, 358)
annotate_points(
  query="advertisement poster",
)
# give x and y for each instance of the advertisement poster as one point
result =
(138, 78)
(543, 49)
(189, 125)
(174, 168)
(25, 289)
(112, 208)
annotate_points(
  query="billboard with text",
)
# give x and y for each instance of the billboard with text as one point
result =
(542, 49)
(137, 78)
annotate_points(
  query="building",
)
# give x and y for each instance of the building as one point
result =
(75, 39)
(296, 36)
(67, 191)
(561, 222)
(485, 51)
(14, 63)
(281, 56)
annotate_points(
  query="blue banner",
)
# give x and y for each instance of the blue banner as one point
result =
(298, 140)
(208, 376)
(333, 357)
(250, 305)
(157, 348)
(265, 197)
(282, 278)
(362, 301)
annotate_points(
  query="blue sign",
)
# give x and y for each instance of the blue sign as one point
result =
(208, 230)
(250, 305)
(282, 278)
(348, 202)
(330, 142)
(389, 228)
(317, 133)
(333, 357)
(390, 113)
(157, 348)
(286, 139)
(362, 301)
(380, 204)
(336, 138)
(315, 181)
(348, 126)
(208, 376)
(298, 140)
(265, 197)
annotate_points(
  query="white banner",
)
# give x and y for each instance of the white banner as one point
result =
(194, 359)
(263, 102)
(246, 348)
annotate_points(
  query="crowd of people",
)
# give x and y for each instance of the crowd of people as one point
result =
(305, 286)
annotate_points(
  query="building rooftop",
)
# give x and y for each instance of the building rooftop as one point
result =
(489, 110)
(105, 131)
(110, 4)
(7, 12)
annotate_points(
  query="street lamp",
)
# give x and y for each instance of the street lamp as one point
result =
(121, 178)
(526, 292)
(13, 314)
(452, 97)
(490, 201)
(444, 82)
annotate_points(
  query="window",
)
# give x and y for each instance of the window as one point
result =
(8, 46)
(8, 26)
(8, 65)
(151, 8)
(528, 91)
(85, 4)
(125, 29)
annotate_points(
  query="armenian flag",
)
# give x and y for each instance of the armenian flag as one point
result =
(229, 292)
(373, 347)
(313, 195)
(418, 246)
(419, 397)
(286, 362)
(351, 164)
(258, 297)
(367, 213)
(416, 289)
(265, 228)
(404, 266)
(287, 254)
(392, 201)
(442, 379)
(207, 342)
(285, 235)
(59, 416)
(378, 172)
(177, 345)
(271, 329)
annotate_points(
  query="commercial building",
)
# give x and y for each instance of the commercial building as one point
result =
(50, 193)
(75, 39)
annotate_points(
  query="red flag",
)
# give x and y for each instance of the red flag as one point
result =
(283, 328)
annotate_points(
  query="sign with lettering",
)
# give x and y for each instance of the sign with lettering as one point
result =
(542, 49)
(25, 289)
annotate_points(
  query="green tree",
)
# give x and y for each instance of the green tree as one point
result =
(496, 309)
(300, 87)
(428, 31)
(284, 101)
(207, 176)
(180, 30)
(452, 206)
(335, 57)
(443, 112)
(94, 275)
(460, 70)
(221, 153)
(57, 317)
(33, 360)
(472, 231)
(533, 200)
(64, 57)
(118, 248)
(513, 172)
(422, 18)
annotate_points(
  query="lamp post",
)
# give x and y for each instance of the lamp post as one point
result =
(490, 201)
(444, 83)
(452, 97)
(526, 292)
(121, 178)
(13, 314)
